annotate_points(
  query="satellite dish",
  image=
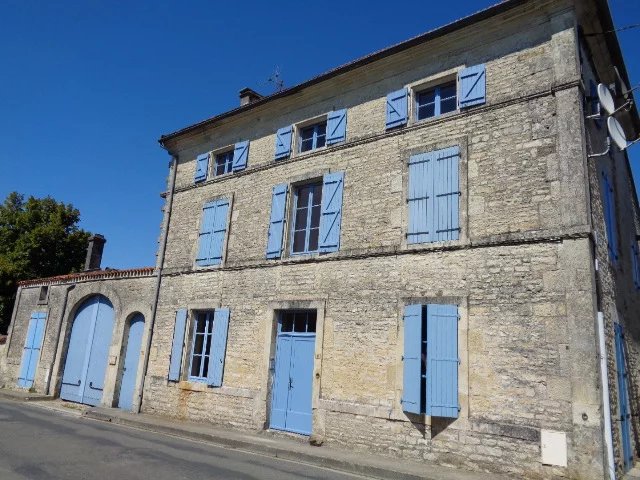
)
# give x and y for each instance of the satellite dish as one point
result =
(606, 99)
(617, 133)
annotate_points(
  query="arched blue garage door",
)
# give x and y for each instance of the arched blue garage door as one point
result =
(88, 352)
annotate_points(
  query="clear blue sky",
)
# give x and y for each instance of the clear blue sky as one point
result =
(87, 87)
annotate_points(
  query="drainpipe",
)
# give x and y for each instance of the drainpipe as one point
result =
(604, 379)
(159, 266)
(12, 322)
(63, 315)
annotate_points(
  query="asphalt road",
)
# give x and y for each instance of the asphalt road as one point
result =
(41, 444)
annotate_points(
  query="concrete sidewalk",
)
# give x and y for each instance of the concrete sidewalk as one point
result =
(267, 443)
(23, 395)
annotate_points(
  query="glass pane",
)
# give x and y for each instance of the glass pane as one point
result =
(426, 97)
(315, 216)
(322, 129)
(195, 365)
(287, 322)
(299, 238)
(208, 347)
(198, 344)
(201, 321)
(303, 196)
(301, 219)
(311, 322)
(205, 369)
(448, 91)
(426, 111)
(300, 323)
(313, 239)
(317, 194)
(210, 323)
(448, 105)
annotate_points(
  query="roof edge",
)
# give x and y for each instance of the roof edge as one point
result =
(91, 275)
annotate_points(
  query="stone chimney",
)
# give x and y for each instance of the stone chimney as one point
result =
(94, 252)
(248, 96)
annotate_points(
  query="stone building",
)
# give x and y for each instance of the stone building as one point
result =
(427, 253)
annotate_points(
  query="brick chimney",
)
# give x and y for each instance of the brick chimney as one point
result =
(248, 96)
(94, 252)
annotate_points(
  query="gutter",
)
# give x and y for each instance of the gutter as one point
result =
(59, 330)
(159, 267)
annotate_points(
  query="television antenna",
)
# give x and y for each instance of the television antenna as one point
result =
(276, 80)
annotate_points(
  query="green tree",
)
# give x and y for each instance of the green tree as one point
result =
(39, 237)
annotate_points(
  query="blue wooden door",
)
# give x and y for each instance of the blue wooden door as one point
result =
(131, 360)
(291, 395)
(31, 351)
(623, 397)
(88, 351)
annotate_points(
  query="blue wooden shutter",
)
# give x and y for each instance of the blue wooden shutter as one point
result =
(412, 359)
(331, 212)
(218, 347)
(206, 234)
(609, 207)
(283, 142)
(202, 167)
(178, 342)
(336, 126)
(397, 108)
(277, 220)
(442, 361)
(240, 155)
(31, 350)
(420, 197)
(472, 86)
(445, 223)
(635, 264)
(219, 232)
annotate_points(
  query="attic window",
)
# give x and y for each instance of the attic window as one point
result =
(43, 297)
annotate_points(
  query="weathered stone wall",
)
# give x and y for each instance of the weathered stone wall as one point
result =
(128, 296)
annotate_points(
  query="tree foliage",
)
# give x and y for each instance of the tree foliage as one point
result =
(39, 237)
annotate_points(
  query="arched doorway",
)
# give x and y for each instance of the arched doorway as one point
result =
(131, 361)
(88, 352)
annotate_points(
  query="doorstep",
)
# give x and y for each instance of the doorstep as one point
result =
(278, 446)
(21, 395)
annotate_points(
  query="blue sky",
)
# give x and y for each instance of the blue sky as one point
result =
(87, 87)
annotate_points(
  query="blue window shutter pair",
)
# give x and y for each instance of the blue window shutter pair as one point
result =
(336, 126)
(213, 231)
(218, 347)
(202, 167)
(433, 196)
(472, 83)
(283, 142)
(441, 383)
(609, 207)
(240, 155)
(397, 108)
(31, 351)
(330, 222)
(177, 346)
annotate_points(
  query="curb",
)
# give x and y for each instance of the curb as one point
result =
(25, 396)
(300, 457)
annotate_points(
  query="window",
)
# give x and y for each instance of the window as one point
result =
(298, 322)
(433, 196)
(313, 136)
(610, 219)
(43, 296)
(213, 229)
(306, 218)
(635, 264)
(430, 360)
(224, 163)
(201, 346)
(436, 101)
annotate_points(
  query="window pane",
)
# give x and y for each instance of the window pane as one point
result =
(313, 239)
(303, 196)
(448, 105)
(210, 323)
(315, 216)
(311, 322)
(287, 322)
(299, 238)
(201, 321)
(321, 132)
(300, 323)
(448, 91)
(301, 219)
(195, 365)
(207, 350)
(426, 111)
(198, 344)
(317, 194)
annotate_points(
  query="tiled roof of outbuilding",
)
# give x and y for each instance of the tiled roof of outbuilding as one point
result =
(108, 273)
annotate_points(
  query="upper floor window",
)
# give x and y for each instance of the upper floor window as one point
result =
(306, 218)
(436, 101)
(433, 196)
(224, 163)
(635, 264)
(213, 230)
(610, 218)
(313, 136)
